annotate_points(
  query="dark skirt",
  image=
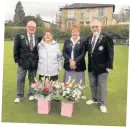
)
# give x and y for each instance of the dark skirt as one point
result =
(75, 75)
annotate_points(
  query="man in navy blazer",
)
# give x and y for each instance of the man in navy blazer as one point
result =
(100, 49)
(26, 56)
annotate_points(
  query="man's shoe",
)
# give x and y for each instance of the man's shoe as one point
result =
(90, 102)
(31, 98)
(103, 109)
(18, 99)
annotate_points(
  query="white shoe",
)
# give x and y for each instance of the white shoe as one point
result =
(103, 109)
(90, 102)
(31, 98)
(18, 99)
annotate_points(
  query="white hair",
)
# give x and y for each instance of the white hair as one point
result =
(31, 22)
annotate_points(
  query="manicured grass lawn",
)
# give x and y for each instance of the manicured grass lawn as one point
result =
(26, 111)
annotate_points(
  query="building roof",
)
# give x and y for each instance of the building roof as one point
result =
(85, 5)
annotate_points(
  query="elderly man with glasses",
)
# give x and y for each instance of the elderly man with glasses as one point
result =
(100, 49)
(26, 56)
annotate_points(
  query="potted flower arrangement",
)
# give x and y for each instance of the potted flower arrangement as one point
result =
(69, 93)
(43, 93)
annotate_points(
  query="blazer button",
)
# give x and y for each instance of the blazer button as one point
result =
(29, 58)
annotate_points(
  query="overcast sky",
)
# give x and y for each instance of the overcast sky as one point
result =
(48, 9)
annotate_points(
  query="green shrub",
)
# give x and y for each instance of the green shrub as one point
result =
(115, 31)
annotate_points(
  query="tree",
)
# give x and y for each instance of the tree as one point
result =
(19, 15)
(58, 20)
(39, 20)
(125, 14)
(9, 23)
(28, 18)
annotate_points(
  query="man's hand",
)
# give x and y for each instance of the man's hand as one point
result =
(108, 70)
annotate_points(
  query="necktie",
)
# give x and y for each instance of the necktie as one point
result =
(31, 42)
(93, 42)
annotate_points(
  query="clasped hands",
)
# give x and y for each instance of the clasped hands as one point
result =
(72, 64)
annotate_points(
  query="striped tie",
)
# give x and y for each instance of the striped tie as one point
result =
(93, 42)
(31, 42)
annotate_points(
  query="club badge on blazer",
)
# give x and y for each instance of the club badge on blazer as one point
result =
(100, 48)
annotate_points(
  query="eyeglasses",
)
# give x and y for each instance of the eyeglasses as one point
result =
(95, 27)
(31, 27)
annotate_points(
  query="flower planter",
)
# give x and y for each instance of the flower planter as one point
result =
(43, 106)
(67, 109)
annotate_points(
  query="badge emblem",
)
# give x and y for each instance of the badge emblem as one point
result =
(100, 48)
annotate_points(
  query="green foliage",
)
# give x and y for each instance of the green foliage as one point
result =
(36, 19)
(28, 18)
(9, 23)
(11, 32)
(115, 31)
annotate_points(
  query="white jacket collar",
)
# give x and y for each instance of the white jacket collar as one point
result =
(53, 42)
(75, 41)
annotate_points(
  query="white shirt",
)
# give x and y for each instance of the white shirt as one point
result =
(74, 42)
(97, 36)
(29, 36)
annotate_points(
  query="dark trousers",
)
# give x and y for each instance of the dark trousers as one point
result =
(53, 78)
(21, 74)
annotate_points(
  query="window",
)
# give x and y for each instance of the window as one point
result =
(87, 22)
(82, 23)
(88, 12)
(70, 23)
(70, 14)
(82, 13)
(100, 11)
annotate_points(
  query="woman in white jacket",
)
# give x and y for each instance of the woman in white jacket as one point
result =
(50, 57)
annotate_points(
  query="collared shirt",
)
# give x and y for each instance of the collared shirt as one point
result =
(29, 36)
(74, 42)
(97, 36)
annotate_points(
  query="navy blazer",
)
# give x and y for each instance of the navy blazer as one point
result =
(22, 53)
(102, 55)
(79, 54)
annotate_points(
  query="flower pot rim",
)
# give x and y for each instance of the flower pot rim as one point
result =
(68, 102)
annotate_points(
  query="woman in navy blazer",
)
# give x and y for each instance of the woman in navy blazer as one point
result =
(74, 56)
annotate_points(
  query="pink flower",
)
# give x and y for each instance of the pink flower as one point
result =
(35, 85)
(47, 88)
(65, 85)
(73, 84)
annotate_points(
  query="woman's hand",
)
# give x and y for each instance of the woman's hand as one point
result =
(72, 64)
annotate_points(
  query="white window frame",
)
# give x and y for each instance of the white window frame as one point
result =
(71, 23)
(88, 12)
(101, 11)
(82, 13)
(70, 14)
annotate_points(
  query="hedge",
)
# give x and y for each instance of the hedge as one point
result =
(115, 31)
